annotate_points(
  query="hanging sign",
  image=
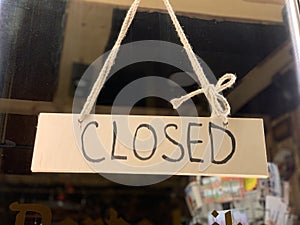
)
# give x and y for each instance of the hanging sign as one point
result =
(153, 144)
(149, 145)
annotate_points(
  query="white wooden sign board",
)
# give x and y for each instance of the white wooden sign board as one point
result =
(150, 145)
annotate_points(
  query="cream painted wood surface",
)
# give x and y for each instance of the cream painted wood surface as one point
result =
(64, 146)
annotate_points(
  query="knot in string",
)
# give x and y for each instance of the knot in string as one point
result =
(219, 104)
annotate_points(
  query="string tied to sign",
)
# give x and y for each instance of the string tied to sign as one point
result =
(220, 106)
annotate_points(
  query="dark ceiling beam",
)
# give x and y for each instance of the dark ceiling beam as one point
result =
(260, 77)
(25, 107)
(28, 107)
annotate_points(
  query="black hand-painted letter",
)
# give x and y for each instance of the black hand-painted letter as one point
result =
(82, 143)
(115, 132)
(233, 144)
(189, 142)
(175, 143)
(154, 145)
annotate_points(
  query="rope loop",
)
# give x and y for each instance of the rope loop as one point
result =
(219, 104)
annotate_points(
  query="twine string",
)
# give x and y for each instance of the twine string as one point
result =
(219, 104)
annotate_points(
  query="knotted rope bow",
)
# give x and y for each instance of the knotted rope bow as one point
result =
(219, 104)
